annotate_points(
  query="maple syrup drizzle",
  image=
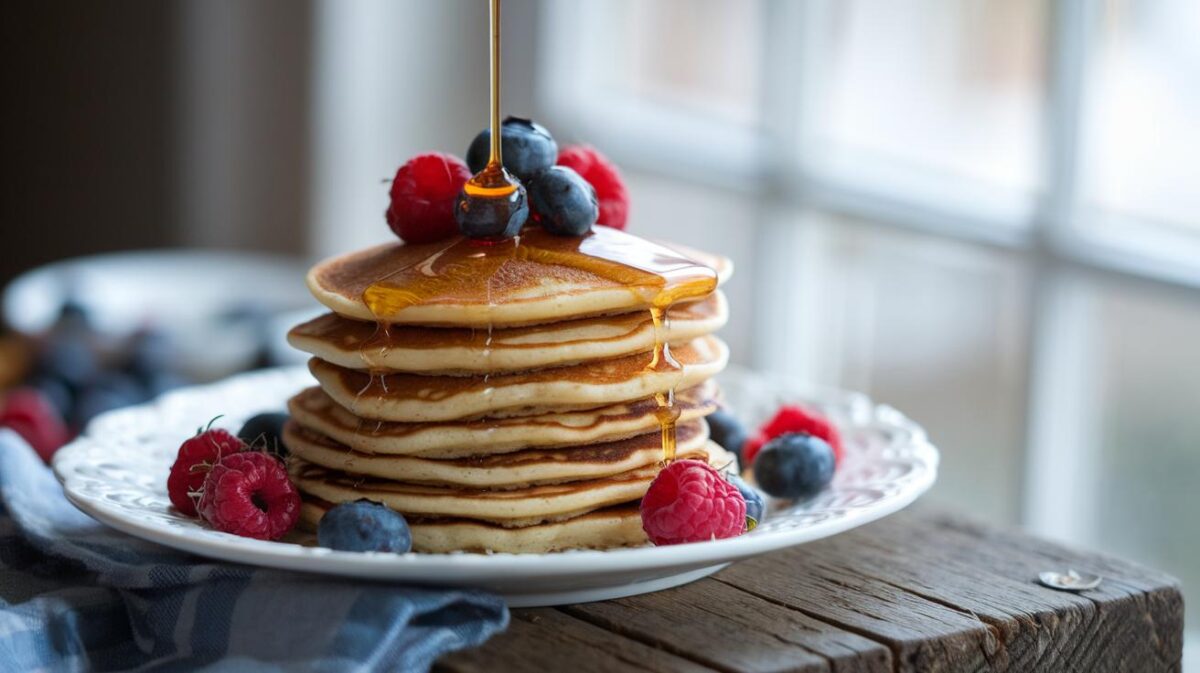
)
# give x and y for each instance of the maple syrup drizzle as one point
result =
(493, 182)
(657, 275)
(667, 412)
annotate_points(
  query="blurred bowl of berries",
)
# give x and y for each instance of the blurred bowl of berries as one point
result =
(94, 334)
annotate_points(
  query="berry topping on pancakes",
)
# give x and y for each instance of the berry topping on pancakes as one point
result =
(594, 167)
(527, 148)
(563, 203)
(423, 195)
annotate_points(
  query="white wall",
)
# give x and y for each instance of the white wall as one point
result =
(392, 79)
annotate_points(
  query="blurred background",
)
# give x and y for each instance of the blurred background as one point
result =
(983, 212)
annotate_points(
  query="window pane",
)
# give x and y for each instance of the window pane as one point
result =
(935, 327)
(698, 54)
(1142, 133)
(1140, 377)
(950, 87)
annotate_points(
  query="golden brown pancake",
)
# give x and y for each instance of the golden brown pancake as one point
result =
(510, 508)
(533, 279)
(617, 526)
(518, 469)
(502, 395)
(416, 398)
(357, 344)
(456, 439)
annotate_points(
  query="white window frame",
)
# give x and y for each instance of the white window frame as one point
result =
(1048, 230)
(1050, 225)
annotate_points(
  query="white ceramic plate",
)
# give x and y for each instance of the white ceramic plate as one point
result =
(183, 293)
(117, 473)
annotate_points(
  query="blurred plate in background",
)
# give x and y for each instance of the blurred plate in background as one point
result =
(216, 307)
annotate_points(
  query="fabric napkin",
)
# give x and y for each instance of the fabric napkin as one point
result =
(77, 596)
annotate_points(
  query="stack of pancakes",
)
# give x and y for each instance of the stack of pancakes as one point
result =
(509, 408)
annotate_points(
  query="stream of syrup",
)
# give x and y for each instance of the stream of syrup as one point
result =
(657, 275)
(493, 182)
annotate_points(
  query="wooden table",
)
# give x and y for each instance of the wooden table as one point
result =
(914, 592)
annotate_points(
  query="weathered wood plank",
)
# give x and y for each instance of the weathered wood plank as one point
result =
(543, 640)
(729, 629)
(915, 592)
(1133, 621)
(921, 634)
(1139, 611)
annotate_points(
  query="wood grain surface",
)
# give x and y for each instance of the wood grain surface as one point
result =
(918, 591)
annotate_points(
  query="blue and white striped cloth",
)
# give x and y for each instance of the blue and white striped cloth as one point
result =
(77, 596)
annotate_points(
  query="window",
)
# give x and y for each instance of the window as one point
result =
(932, 100)
(1140, 128)
(985, 212)
(1142, 133)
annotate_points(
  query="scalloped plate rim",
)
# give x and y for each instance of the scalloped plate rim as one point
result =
(468, 568)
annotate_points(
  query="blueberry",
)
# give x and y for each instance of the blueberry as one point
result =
(72, 317)
(162, 382)
(363, 525)
(69, 357)
(150, 352)
(491, 217)
(725, 429)
(113, 390)
(526, 148)
(794, 465)
(564, 202)
(265, 431)
(756, 505)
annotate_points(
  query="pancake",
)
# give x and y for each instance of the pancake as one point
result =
(499, 471)
(533, 279)
(617, 526)
(417, 398)
(508, 508)
(314, 409)
(357, 344)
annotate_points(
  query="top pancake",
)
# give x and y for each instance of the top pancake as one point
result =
(357, 344)
(532, 279)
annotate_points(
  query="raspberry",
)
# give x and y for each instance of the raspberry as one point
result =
(794, 418)
(28, 413)
(196, 457)
(604, 178)
(423, 194)
(249, 494)
(689, 501)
